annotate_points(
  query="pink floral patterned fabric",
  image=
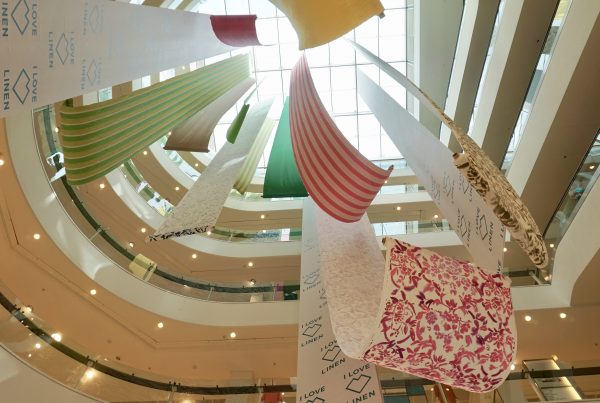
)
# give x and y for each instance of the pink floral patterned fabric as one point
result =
(444, 319)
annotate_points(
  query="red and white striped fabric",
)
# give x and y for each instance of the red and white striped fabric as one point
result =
(337, 176)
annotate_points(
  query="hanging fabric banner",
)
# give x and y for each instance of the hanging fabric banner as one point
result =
(325, 373)
(481, 173)
(249, 168)
(235, 30)
(318, 22)
(418, 312)
(473, 220)
(337, 176)
(98, 138)
(195, 134)
(199, 209)
(54, 50)
(282, 178)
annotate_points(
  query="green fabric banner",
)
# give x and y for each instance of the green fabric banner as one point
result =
(282, 178)
(236, 125)
(98, 138)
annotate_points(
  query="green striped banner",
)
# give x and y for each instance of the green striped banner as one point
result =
(98, 138)
(251, 161)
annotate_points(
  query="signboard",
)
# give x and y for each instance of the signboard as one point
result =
(325, 374)
(52, 50)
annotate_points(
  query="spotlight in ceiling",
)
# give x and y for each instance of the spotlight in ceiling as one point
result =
(208, 232)
(385, 181)
(168, 134)
(1, 161)
(527, 318)
(562, 315)
(56, 130)
(90, 374)
(592, 166)
(177, 188)
(131, 244)
(160, 325)
(505, 249)
(398, 208)
(252, 281)
(435, 216)
(232, 335)
(554, 357)
(143, 229)
(56, 336)
(38, 346)
(28, 309)
(552, 245)
(194, 256)
(512, 367)
(262, 216)
(29, 355)
(196, 165)
(102, 186)
(250, 264)
(145, 152)
(93, 291)
(36, 236)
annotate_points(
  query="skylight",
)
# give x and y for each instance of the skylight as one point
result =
(333, 67)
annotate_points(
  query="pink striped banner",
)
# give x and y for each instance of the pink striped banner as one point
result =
(337, 176)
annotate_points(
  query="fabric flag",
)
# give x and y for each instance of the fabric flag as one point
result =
(249, 168)
(194, 135)
(481, 173)
(325, 373)
(54, 50)
(282, 178)
(98, 138)
(237, 123)
(339, 179)
(199, 209)
(318, 22)
(235, 30)
(472, 219)
(389, 312)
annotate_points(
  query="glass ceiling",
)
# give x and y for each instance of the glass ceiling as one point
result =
(333, 68)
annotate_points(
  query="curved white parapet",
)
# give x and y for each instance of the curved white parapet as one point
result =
(97, 266)
(21, 383)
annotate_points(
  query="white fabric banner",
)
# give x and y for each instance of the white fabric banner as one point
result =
(473, 220)
(52, 50)
(325, 374)
(201, 206)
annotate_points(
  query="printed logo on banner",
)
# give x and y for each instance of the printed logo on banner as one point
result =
(311, 396)
(315, 400)
(22, 86)
(331, 353)
(312, 277)
(93, 18)
(90, 73)
(61, 50)
(24, 16)
(357, 385)
(465, 186)
(311, 330)
(464, 228)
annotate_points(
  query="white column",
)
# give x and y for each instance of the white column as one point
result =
(520, 37)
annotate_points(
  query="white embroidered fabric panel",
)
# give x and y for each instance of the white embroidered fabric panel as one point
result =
(353, 268)
(200, 208)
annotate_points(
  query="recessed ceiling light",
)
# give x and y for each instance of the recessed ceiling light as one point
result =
(552, 245)
(264, 231)
(90, 374)
(527, 318)
(168, 134)
(194, 256)
(145, 153)
(398, 208)
(29, 355)
(262, 216)
(592, 166)
(555, 357)
(1, 162)
(102, 186)
(208, 232)
(38, 346)
(250, 264)
(505, 249)
(252, 281)
(512, 367)
(93, 291)
(28, 309)
(435, 216)
(177, 188)
(36, 236)
(160, 325)
(385, 181)
(56, 130)
(562, 315)
(282, 393)
(232, 335)
(143, 229)
(131, 244)
(196, 165)
(56, 336)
